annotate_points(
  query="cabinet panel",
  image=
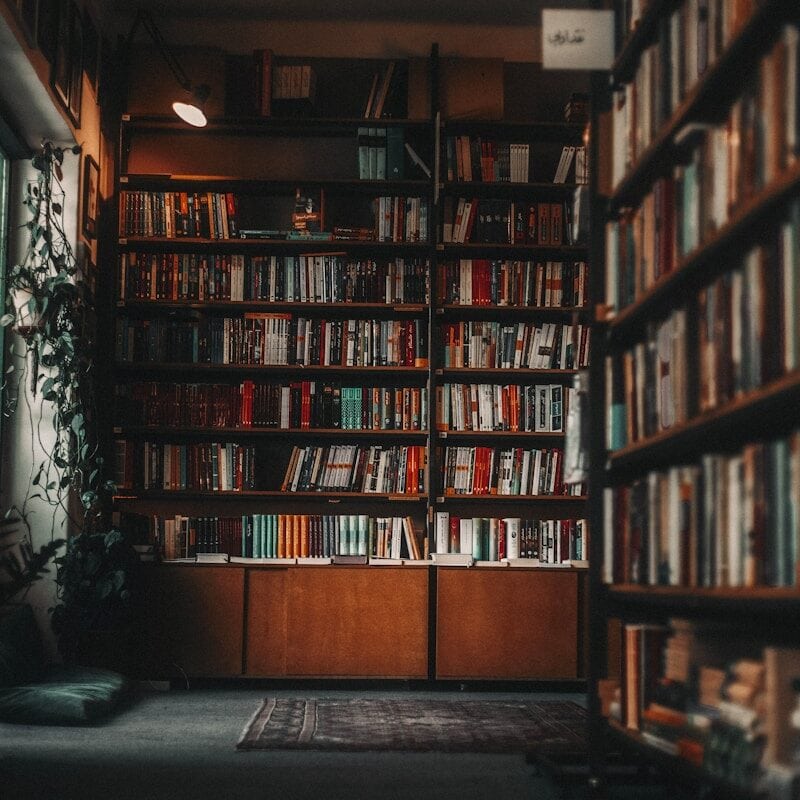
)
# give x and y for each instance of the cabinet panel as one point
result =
(506, 623)
(355, 622)
(192, 621)
(267, 621)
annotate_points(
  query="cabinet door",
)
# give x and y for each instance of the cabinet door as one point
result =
(506, 623)
(192, 621)
(338, 622)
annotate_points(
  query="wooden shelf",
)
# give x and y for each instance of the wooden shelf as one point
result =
(229, 183)
(678, 769)
(459, 310)
(260, 433)
(704, 263)
(267, 305)
(560, 132)
(643, 34)
(731, 419)
(762, 601)
(565, 251)
(715, 90)
(514, 374)
(268, 126)
(538, 189)
(197, 494)
(499, 435)
(511, 498)
(184, 243)
(279, 369)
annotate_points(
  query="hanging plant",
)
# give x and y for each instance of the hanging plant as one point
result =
(51, 308)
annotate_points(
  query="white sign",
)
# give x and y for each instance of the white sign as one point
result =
(577, 39)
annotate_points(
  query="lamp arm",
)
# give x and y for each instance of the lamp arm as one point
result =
(144, 20)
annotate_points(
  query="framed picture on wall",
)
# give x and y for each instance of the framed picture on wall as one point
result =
(67, 66)
(47, 27)
(91, 183)
(28, 11)
(75, 63)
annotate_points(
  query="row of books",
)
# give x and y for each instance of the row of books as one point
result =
(352, 468)
(202, 466)
(381, 153)
(729, 520)
(723, 702)
(543, 541)
(401, 219)
(731, 162)
(273, 339)
(648, 388)
(293, 82)
(323, 278)
(297, 405)
(521, 345)
(491, 221)
(473, 158)
(485, 282)
(207, 215)
(538, 408)
(504, 471)
(689, 40)
(289, 536)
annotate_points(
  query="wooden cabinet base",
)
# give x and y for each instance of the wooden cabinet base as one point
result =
(513, 623)
(353, 622)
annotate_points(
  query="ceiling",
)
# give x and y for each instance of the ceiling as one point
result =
(497, 12)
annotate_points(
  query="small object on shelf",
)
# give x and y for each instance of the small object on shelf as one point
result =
(452, 559)
(211, 558)
(350, 560)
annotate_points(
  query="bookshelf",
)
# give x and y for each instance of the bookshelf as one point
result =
(277, 394)
(696, 450)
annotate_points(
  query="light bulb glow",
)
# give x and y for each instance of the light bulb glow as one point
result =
(190, 113)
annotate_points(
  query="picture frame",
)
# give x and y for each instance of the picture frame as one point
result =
(75, 63)
(66, 75)
(90, 194)
(28, 11)
(47, 28)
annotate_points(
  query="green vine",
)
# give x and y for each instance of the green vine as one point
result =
(51, 307)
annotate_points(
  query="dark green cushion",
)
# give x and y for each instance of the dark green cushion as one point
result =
(21, 649)
(68, 696)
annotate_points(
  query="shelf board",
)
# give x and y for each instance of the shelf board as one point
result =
(184, 243)
(266, 305)
(505, 188)
(458, 309)
(499, 435)
(197, 494)
(514, 373)
(718, 86)
(277, 369)
(253, 186)
(250, 126)
(570, 252)
(677, 768)
(677, 600)
(563, 132)
(506, 498)
(691, 438)
(698, 264)
(259, 432)
(643, 34)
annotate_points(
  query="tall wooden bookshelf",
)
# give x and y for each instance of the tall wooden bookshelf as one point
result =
(396, 616)
(695, 449)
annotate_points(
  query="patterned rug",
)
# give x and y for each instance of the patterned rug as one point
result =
(474, 726)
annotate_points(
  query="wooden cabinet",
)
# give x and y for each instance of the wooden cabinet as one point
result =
(191, 621)
(511, 623)
(337, 622)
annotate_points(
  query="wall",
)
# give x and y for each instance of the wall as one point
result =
(31, 108)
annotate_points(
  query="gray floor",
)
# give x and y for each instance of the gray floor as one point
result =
(180, 744)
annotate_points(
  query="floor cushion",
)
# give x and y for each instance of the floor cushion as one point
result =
(66, 696)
